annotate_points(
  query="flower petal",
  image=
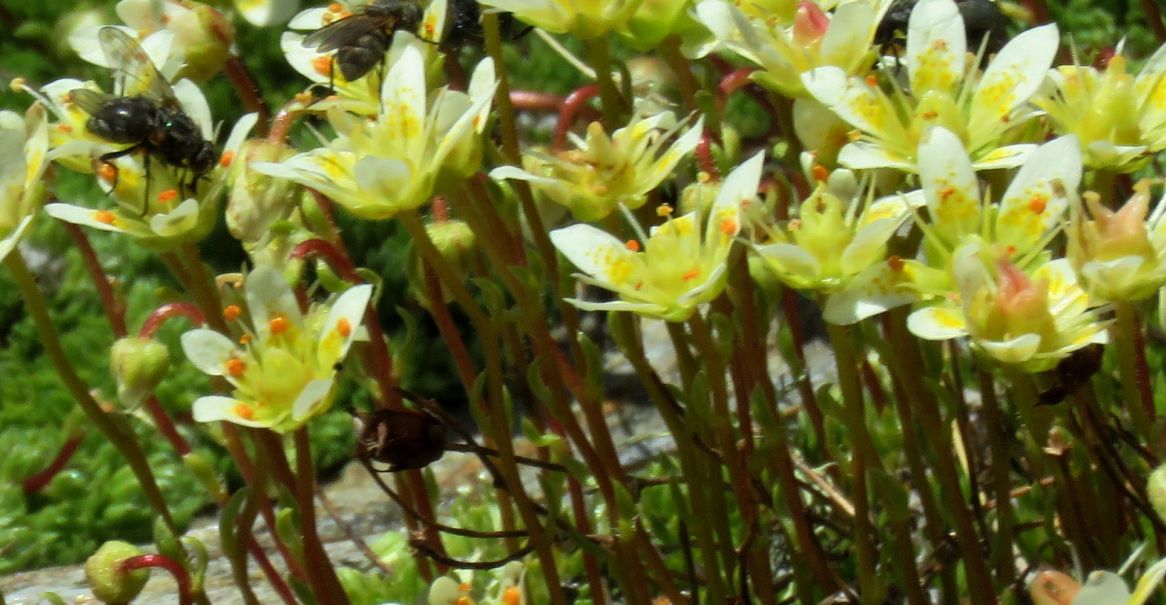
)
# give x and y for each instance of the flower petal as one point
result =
(269, 296)
(936, 45)
(1039, 194)
(949, 185)
(1013, 76)
(939, 322)
(209, 350)
(315, 396)
(212, 408)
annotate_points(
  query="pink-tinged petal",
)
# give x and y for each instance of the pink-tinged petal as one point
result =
(1013, 76)
(940, 322)
(1015, 350)
(864, 155)
(177, 222)
(949, 185)
(269, 297)
(1039, 194)
(342, 325)
(855, 101)
(209, 351)
(936, 45)
(213, 408)
(1008, 156)
(8, 243)
(594, 252)
(315, 397)
(877, 289)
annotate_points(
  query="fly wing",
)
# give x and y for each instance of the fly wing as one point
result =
(90, 101)
(134, 73)
(345, 31)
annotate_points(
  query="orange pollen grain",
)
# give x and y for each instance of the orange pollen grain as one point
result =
(632, 245)
(871, 80)
(278, 324)
(168, 195)
(226, 159)
(244, 412)
(1037, 204)
(690, 275)
(895, 263)
(664, 210)
(344, 327)
(464, 586)
(231, 312)
(728, 227)
(335, 7)
(107, 172)
(244, 339)
(236, 367)
(512, 596)
(463, 601)
(819, 173)
(104, 216)
(322, 65)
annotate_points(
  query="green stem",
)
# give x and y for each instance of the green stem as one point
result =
(854, 415)
(116, 433)
(1125, 333)
(613, 104)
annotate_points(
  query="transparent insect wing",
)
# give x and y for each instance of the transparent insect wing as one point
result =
(90, 101)
(344, 32)
(134, 73)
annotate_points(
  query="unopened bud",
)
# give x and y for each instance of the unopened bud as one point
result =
(257, 200)
(206, 34)
(106, 578)
(138, 365)
(1156, 490)
(453, 239)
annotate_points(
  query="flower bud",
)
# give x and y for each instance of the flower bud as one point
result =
(206, 35)
(1156, 490)
(138, 365)
(454, 240)
(103, 571)
(257, 200)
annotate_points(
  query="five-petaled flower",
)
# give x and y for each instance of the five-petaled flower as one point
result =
(378, 168)
(945, 90)
(604, 172)
(282, 367)
(676, 267)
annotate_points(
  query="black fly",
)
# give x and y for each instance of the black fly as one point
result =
(361, 39)
(983, 20)
(143, 113)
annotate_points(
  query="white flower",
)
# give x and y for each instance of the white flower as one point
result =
(283, 369)
(24, 155)
(378, 168)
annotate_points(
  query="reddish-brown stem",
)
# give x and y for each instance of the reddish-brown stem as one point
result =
(531, 100)
(704, 156)
(328, 209)
(166, 426)
(439, 209)
(167, 312)
(321, 573)
(181, 576)
(114, 309)
(572, 107)
(1154, 18)
(40, 480)
(1038, 9)
(284, 118)
(734, 81)
(248, 90)
(331, 254)
(449, 332)
(277, 582)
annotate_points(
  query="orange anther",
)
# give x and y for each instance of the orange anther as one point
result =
(278, 324)
(664, 210)
(1037, 204)
(819, 173)
(691, 274)
(632, 245)
(236, 367)
(463, 601)
(895, 263)
(344, 327)
(104, 216)
(244, 339)
(946, 192)
(226, 159)
(872, 80)
(729, 226)
(168, 195)
(511, 596)
(322, 64)
(107, 172)
(244, 411)
(231, 312)
(335, 7)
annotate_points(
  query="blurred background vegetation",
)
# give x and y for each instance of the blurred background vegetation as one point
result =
(66, 521)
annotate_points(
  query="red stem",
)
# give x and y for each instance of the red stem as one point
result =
(704, 156)
(326, 250)
(167, 312)
(39, 481)
(181, 576)
(114, 310)
(572, 106)
(249, 93)
(732, 82)
(530, 100)
(1154, 17)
